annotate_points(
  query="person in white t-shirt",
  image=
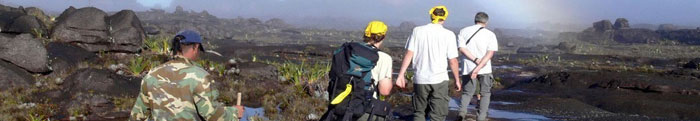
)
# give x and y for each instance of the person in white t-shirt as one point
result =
(478, 44)
(430, 47)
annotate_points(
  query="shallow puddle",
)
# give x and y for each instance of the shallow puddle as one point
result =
(500, 114)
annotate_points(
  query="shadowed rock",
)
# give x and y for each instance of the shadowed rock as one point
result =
(636, 36)
(101, 81)
(621, 23)
(602, 26)
(24, 51)
(92, 29)
(693, 64)
(13, 76)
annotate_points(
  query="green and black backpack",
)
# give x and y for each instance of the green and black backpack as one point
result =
(350, 86)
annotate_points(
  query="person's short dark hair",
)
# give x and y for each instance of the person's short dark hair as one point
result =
(481, 17)
(178, 47)
(438, 12)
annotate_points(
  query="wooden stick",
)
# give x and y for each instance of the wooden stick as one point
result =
(238, 101)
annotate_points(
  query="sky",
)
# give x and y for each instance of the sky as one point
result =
(503, 13)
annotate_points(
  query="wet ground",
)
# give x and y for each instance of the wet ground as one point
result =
(536, 86)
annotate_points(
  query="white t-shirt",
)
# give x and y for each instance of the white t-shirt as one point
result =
(432, 46)
(382, 70)
(481, 43)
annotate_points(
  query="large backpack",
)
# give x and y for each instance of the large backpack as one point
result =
(350, 85)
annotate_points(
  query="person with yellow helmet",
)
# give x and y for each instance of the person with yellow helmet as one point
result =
(428, 49)
(359, 72)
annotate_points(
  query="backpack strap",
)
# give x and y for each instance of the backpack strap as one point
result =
(470, 38)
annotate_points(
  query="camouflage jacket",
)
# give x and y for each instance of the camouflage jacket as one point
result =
(179, 90)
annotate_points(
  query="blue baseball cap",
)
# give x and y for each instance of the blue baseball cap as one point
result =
(190, 36)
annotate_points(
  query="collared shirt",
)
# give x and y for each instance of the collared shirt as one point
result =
(432, 46)
(482, 42)
(179, 91)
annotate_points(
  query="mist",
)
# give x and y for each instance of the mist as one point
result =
(536, 14)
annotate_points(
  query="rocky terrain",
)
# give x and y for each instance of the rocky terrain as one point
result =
(86, 64)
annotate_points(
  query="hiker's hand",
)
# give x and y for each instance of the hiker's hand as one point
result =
(401, 82)
(477, 61)
(241, 109)
(474, 74)
(459, 85)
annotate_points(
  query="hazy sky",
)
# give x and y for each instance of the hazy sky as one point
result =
(503, 13)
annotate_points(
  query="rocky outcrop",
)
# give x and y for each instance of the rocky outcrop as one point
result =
(667, 27)
(13, 76)
(602, 26)
(24, 51)
(21, 20)
(101, 81)
(686, 36)
(621, 23)
(636, 36)
(92, 29)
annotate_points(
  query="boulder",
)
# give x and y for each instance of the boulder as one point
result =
(566, 47)
(126, 30)
(92, 29)
(150, 30)
(693, 64)
(9, 14)
(13, 76)
(40, 15)
(621, 23)
(101, 81)
(636, 36)
(602, 26)
(24, 51)
(85, 25)
(26, 24)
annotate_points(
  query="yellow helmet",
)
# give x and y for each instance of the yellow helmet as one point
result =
(375, 27)
(436, 18)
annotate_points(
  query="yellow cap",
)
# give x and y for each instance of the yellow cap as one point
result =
(375, 27)
(436, 17)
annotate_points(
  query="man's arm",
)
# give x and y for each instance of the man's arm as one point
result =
(467, 53)
(482, 62)
(454, 65)
(204, 101)
(401, 80)
(140, 111)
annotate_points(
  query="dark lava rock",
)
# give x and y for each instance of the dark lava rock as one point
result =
(636, 36)
(92, 29)
(101, 81)
(24, 51)
(603, 25)
(693, 64)
(621, 23)
(13, 76)
(535, 49)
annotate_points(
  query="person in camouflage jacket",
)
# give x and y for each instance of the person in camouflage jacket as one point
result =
(179, 90)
